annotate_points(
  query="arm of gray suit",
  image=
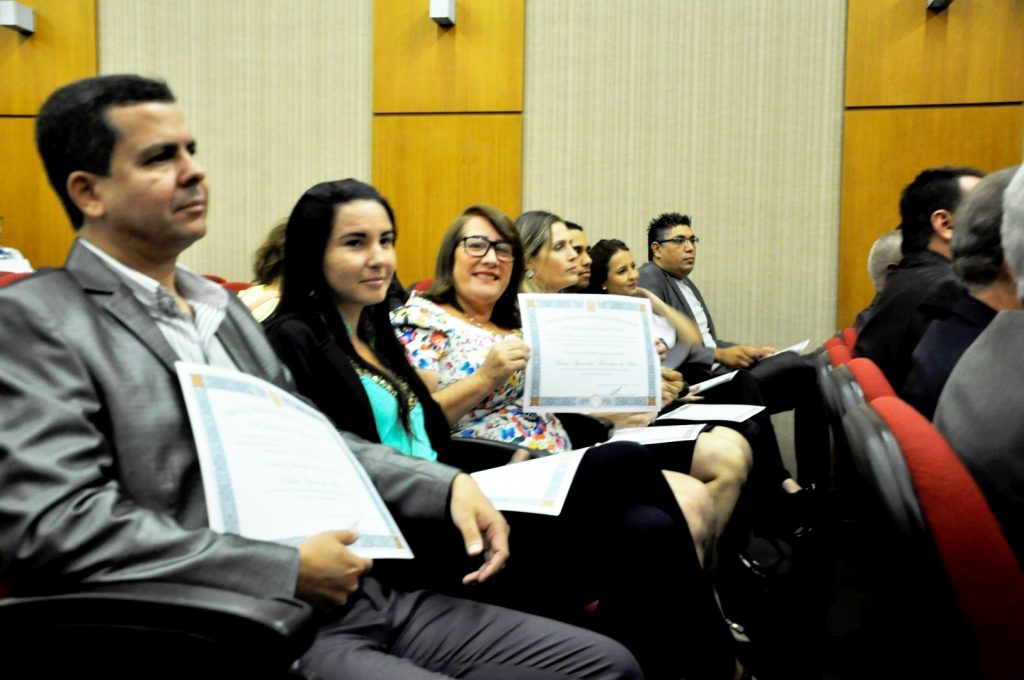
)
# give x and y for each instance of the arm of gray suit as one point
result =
(657, 283)
(413, 488)
(66, 516)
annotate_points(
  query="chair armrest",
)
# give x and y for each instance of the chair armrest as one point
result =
(472, 455)
(585, 430)
(173, 625)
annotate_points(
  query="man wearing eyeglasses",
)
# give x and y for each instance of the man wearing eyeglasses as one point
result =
(786, 381)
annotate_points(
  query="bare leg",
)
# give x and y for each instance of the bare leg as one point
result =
(722, 460)
(698, 507)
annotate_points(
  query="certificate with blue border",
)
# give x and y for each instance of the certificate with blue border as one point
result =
(538, 486)
(590, 353)
(275, 469)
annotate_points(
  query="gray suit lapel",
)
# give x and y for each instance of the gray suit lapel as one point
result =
(681, 305)
(235, 343)
(707, 312)
(107, 291)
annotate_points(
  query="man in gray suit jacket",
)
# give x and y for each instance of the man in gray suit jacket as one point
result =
(98, 468)
(785, 380)
(979, 412)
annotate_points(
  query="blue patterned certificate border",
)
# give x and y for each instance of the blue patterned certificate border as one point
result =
(549, 495)
(203, 384)
(530, 304)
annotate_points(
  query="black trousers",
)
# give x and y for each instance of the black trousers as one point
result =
(622, 541)
(788, 381)
(780, 383)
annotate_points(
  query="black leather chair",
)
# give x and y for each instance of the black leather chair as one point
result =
(152, 629)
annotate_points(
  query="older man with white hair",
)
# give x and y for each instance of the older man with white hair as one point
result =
(980, 410)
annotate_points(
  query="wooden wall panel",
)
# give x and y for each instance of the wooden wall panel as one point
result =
(33, 220)
(62, 49)
(899, 53)
(432, 167)
(476, 65)
(884, 149)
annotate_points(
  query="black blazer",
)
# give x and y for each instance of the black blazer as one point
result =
(323, 373)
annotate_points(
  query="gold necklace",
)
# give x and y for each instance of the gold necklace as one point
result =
(466, 316)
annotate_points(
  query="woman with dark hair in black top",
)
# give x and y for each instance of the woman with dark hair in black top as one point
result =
(332, 330)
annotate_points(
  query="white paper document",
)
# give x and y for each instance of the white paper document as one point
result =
(704, 413)
(275, 469)
(798, 347)
(708, 384)
(539, 486)
(590, 353)
(661, 434)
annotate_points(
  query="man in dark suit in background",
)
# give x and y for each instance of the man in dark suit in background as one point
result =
(923, 287)
(979, 412)
(99, 477)
(883, 259)
(785, 380)
(979, 267)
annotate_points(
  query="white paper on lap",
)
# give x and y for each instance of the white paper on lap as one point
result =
(275, 469)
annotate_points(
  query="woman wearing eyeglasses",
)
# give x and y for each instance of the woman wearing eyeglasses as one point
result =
(620, 539)
(463, 335)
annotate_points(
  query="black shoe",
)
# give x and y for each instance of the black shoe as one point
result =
(798, 514)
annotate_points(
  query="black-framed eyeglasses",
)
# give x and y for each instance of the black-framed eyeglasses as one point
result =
(479, 246)
(680, 240)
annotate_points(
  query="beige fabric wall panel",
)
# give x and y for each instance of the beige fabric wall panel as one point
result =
(899, 53)
(433, 167)
(278, 95)
(476, 65)
(729, 110)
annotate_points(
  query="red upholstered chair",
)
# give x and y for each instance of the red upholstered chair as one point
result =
(846, 389)
(836, 355)
(839, 355)
(871, 379)
(832, 342)
(236, 286)
(10, 277)
(951, 589)
(215, 278)
(849, 335)
(983, 572)
(825, 362)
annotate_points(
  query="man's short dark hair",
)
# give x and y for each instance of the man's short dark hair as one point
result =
(572, 226)
(73, 132)
(660, 226)
(934, 189)
(977, 246)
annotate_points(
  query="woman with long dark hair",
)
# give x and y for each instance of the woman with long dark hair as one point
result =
(332, 330)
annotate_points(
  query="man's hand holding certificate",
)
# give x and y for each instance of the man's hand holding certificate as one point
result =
(275, 469)
(590, 353)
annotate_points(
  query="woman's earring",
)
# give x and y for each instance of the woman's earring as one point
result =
(530, 273)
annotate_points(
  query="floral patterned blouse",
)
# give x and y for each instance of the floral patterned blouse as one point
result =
(437, 340)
